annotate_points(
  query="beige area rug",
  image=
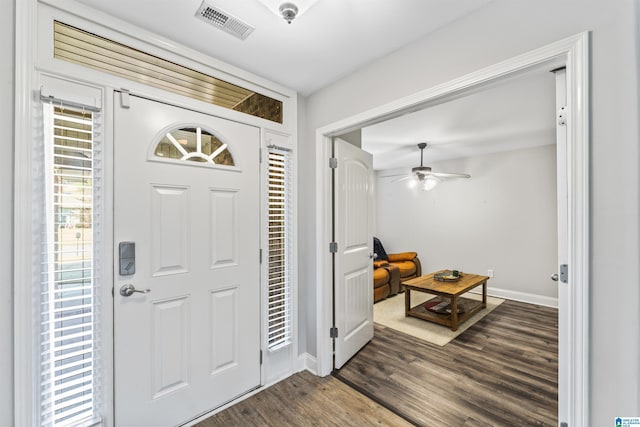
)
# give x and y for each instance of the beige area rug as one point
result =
(390, 313)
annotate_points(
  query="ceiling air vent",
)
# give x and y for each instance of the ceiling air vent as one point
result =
(224, 21)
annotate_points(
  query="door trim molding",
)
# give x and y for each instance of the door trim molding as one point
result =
(573, 52)
(23, 343)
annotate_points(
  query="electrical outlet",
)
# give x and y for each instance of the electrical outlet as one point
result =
(490, 273)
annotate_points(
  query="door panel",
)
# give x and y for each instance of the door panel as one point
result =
(192, 343)
(170, 345)
(222, 241)
(357, 287)
(353, 223)
(224, 321)
(169, 230)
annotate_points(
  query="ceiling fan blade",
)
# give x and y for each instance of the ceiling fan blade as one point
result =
(404, 178)
(449, 175)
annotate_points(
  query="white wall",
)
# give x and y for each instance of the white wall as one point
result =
(353, 138)
(6, 214)
(503, 29)
(502, 218)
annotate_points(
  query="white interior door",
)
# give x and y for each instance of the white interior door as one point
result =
(192, 342)
(563, 249)
(353, 229)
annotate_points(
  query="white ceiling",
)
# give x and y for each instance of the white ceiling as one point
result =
(328, 41)
(516, 113)
(334, 38)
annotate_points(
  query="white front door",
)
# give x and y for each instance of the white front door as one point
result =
(192, 342)
(353, 229)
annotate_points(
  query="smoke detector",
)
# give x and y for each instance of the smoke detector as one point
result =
(224, 21)
(288, 11)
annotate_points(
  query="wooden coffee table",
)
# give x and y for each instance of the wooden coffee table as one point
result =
(446, 290)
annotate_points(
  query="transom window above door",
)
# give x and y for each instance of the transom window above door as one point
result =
(80, 47)
(193, 144)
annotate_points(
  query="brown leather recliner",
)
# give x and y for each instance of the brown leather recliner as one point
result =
(405, 264)
(408, 263)
(386, 280)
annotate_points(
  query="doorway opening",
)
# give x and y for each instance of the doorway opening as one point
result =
(571, 53)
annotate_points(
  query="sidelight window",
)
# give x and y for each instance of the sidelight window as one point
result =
(66, 302)
(279, 263)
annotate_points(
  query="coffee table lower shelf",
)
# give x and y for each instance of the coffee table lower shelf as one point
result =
(471, 307)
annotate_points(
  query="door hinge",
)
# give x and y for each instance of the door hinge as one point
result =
(124, 98)
(333, 332)
(261, 357)
(333, 162)
(564, 273)
(260, 154)
(562, 116)
(333, 247)
(260, 256)
(563, 424)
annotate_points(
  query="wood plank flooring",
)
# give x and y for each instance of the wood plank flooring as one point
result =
(500, 372)
(306, 400)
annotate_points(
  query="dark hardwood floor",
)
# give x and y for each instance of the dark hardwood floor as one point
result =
(306, 400)
(500, 372)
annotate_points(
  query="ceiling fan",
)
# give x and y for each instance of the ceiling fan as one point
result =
(424, 177)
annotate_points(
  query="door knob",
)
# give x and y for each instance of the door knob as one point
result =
(373, 255)
(554, 277)
(128, 290)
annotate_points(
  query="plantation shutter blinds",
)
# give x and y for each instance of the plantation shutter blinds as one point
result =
(67, 305)
(279, 251)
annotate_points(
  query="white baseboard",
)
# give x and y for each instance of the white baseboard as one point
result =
(521, 296)
(308, 362)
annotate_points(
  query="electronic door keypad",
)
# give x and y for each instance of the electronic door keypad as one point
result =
(127, 258)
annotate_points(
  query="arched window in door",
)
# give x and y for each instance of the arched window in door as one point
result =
(194, 144)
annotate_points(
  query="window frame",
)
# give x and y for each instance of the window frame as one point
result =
(281, 283)
(57, 155)
(153, 157)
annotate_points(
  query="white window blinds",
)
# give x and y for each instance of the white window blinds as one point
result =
(279, 263)
(67, 299)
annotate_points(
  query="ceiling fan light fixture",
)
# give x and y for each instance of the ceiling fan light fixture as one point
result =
(421, 170)
(429, 184)
(423, 177)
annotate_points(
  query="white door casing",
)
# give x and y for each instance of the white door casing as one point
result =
(193, 342)
(563, 243)
(353, 222)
